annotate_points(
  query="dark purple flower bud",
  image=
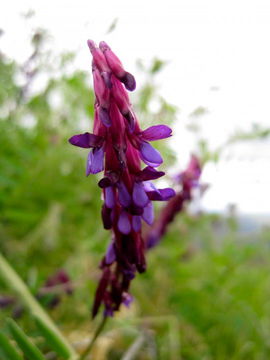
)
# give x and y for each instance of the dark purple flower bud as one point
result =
(139, 195)
(148, 213)
(104, 182)
(108, 312)
(123, 194)
(112, 60)
(130, 120)
(136, 223)
(149, 173)
(104, 117)
(109, 197)
(156, 132)
(6, 301)
(95, 161)
(101, 290)
(117, 67)
(106, 217)
(110, 254)
(129, 81)
(150, 155)
(123, 223)
(161, 194)
(86, 140)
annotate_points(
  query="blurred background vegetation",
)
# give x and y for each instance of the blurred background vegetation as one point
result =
(207, 289)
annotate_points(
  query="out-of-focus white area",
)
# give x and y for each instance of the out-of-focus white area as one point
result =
(218, 57)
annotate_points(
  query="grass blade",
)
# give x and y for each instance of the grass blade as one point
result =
(13, 281)
(7, 350)
(52, 339)
(28, 348)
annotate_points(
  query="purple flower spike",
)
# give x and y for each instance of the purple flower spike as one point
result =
(139, 195)
(110, 254)
(109, 197)
(123, 194)
(86, 140)
(161, 194)
(136, 223)
(156, 132)
(150, 155)
(148, 214)
(104, 117)
(95, 161)
(118, 146)
(124, 223)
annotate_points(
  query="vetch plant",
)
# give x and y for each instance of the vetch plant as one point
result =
(118, 145)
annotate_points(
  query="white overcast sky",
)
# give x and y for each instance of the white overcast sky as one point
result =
(209, 44)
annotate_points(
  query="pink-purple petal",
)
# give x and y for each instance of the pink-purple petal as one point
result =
(156, 132)
(104, 117)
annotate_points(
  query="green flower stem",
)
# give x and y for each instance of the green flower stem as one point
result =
(14, 282)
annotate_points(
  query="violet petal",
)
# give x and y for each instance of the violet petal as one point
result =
(138, 195)
(150, 155)
(136, 223)
(149, 173)
(161, 194)
(156, 132)
(109, 197)
(86, 140)
(95, 161)
(124, 223)
(148, 213)
(110, 254)
(123, 194)
(127, 299)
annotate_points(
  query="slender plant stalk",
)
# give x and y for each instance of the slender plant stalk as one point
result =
(92, 342)
(14, 282)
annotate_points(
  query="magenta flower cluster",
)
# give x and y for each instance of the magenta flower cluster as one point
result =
(117, 147)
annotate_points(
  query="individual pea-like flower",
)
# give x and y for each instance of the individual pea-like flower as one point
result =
(117, 146)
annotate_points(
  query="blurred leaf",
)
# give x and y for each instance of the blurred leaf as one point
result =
(26, 345)
(53, 339)
(7, 350)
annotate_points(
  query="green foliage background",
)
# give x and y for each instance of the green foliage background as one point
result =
(206, 292)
